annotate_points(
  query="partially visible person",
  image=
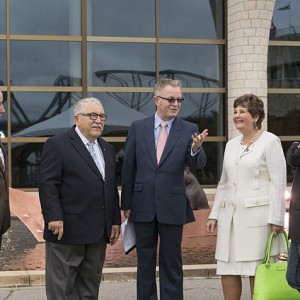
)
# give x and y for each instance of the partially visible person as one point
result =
(293, 269)
(4, 191)
(80, 204)
(249, 201)
(157, 149)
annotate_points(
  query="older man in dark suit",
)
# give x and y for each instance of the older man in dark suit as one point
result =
(4, 203)
(80, 204)
(153, 191)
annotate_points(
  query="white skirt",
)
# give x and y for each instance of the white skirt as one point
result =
(233, 267)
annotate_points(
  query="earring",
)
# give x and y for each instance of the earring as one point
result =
(255, 125)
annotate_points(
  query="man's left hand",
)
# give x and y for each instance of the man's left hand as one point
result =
(199, 139)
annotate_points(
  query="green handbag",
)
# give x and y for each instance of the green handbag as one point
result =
(270, 282)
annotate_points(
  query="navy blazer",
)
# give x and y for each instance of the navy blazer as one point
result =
(150, 189)
(293, 159)
(72, 189)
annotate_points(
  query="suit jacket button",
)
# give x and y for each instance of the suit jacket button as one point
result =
(103, 207)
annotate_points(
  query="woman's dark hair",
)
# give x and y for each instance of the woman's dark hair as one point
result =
(254, 105)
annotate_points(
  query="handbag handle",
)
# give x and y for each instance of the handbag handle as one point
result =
(267, 255)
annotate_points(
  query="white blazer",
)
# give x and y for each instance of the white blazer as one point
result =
(250, 196)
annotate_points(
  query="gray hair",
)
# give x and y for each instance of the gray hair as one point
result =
(162, 83)
(78, 107)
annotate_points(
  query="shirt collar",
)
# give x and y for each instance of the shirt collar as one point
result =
(158, 120)
(82, 137)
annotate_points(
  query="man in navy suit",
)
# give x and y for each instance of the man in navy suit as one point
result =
(80, 204)
(153, 193)
(4, 193)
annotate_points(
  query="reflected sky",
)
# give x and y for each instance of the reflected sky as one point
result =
(55, 17)
(286, 19)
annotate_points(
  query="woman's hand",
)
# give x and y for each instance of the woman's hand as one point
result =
(211, 225)
(277, 229)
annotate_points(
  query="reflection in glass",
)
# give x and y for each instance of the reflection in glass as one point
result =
(25, 164)
(283, 67)
(55, 17)
(2, 17)
(52, 113)
(124, 108)
(45, 63)
(206, 110)
(121, 64)
(193, 19)
(284, 114)
(211, 174)
(2, 63)
(195, 65)
(126, 18)
(286, 21)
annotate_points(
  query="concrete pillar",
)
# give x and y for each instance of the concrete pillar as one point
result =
(248, 37)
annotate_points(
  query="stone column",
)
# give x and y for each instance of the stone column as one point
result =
(248, 37)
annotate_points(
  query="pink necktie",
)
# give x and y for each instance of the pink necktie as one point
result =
(162, 139)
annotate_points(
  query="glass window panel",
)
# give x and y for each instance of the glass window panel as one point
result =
(124, 108)
(42, 63)
(206, 110)
(121, 64)
(286, 21)
(25, 164)
(211, 174)
(2, 17)
(191, 19)
(2, 63)
(284, 114)
(196, 65)
(55, 17)
(284, 67)
(52, 113)
(130, 18)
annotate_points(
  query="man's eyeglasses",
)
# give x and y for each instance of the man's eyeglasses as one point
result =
(172, 100)
(94, 116)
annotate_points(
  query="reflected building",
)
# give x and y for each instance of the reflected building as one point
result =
(53, 53)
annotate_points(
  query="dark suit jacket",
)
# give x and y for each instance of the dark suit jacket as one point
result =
(149, 189)
(71, 189)
(293, 159)
(4, 195)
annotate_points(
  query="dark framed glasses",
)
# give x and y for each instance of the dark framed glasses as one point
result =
(171, 99)
(94, 116)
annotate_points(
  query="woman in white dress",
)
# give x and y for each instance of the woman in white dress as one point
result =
(249, 201)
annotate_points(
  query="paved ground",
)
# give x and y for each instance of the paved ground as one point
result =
(194, 289)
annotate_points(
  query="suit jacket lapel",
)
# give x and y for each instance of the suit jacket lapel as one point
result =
(105, 156)
(149, 139)
(83, 151)
(174, 135)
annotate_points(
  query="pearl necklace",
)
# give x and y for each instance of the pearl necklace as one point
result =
(247, 146)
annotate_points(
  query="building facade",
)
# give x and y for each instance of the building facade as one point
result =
(52, 53)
